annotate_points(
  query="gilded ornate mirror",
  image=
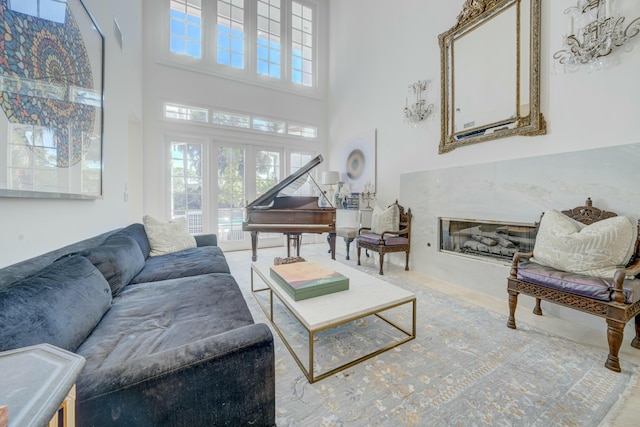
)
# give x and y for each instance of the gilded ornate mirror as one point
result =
(490, 62)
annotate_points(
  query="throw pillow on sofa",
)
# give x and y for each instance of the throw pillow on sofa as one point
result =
(593, 250)
(60, 305)
(168, 237)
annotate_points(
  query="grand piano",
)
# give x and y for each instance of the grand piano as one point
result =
(279, 211)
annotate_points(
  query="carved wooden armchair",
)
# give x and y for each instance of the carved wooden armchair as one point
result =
(382, 240)
(614, 296)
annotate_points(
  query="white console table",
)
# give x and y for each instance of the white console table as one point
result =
(354, 218)
(37, 384)
(348, 221)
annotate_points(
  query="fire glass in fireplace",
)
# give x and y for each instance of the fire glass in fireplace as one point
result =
(486, 239)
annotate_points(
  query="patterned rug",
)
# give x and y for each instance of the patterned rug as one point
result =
(465, 368)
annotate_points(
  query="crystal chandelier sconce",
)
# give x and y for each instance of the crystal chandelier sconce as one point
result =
(418, 111)
(594, 32)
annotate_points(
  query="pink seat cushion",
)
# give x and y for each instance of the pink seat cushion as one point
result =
(388, 241)
(575, 283)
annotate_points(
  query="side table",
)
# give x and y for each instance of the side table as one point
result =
(37, 383)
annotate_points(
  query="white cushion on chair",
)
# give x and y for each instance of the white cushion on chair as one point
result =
(348, 232)
(593, 250)
(385, 219)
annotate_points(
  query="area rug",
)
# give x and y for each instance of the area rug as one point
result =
(465, 368)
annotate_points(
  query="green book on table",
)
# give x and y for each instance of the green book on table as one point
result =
(302, 280)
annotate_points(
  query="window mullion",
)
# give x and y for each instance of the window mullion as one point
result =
(286, 41)
(209, 33)
(251, 29)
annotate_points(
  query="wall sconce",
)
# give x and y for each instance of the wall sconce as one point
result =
(419, 110)
(594, 31)
(330, 178)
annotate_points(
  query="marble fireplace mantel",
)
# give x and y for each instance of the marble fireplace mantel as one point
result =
(518, 190)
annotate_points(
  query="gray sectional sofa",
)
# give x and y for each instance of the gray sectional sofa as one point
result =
(169, 340)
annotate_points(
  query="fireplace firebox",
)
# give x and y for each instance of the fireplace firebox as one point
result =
(487, 240)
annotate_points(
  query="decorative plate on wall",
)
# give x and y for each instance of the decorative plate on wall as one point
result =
(359, 167)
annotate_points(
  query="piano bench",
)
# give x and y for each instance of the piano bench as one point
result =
(296, 239)
(349, 234)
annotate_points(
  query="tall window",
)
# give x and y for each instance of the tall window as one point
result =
(231, 33)
(187, 184)
(186, 27)
(301, 44)
(269, 28)
(248, 39)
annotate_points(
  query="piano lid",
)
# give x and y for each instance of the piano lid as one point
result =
(291, 183)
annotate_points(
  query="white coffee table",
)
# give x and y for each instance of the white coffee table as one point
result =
(367, 296)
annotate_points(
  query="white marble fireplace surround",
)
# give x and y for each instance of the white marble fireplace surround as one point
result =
(515, 191)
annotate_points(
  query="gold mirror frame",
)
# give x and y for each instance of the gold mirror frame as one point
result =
(477, 13)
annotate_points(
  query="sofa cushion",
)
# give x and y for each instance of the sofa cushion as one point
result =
(575, 283)
(168, 237)
(118, 258)
(190, 262)
(385, 219)
(153, 317)
(136, 231)
(59, 305)
(388, 241)
(594, 250)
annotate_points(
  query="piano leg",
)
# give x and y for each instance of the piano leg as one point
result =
(332, 243)
(254, 246)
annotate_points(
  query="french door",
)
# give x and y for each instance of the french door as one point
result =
(211, 184)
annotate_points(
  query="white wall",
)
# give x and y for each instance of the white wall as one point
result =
(378, 49)
(32, 226)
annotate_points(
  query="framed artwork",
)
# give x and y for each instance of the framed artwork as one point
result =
(51, 100)
(358, 168)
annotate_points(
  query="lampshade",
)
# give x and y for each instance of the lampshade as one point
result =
(330, 177)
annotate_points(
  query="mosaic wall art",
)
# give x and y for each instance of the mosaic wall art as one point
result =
(51, 99)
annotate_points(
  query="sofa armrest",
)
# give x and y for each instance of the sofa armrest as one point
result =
(225, 379)
(516, 260)
(206, 239)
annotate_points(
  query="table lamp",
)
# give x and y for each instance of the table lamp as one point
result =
(330, 178)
